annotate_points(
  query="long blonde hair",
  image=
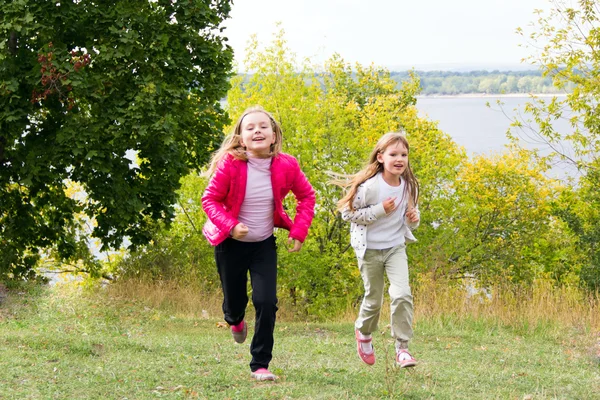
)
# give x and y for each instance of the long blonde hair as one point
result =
(232, 143)
(352, 182)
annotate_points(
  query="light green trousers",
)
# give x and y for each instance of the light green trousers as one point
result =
(394, 263)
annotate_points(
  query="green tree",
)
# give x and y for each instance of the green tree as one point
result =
(178, 252)
(501, 226)
(567, 43)
(331, 120)
(81, 84)
(580, 209)
(568, 40)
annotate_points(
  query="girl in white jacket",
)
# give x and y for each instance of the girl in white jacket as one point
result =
(381, 203)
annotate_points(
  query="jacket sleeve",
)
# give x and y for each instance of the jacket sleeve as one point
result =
(214, 197)
(363, 215)
(305, 208)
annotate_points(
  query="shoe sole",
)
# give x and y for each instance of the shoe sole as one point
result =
(261, 377)
(407, 365)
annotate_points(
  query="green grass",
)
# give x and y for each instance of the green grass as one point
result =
(60, 344)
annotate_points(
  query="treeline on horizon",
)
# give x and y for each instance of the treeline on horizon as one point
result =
(449, 83)
(481, 82)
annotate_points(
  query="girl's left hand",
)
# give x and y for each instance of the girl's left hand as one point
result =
(297, 245)
(412, 215)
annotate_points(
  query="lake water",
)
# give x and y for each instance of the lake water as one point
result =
(481, 129)
(473, 125)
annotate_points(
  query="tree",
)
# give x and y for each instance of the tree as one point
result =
(487, 217)
(580, 209)
(85, 84)
(501, 227)
(568, 41)
(331, 120)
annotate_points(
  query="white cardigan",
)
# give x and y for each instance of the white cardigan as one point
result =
(368, 209)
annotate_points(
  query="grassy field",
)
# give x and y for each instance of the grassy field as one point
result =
(57, 343)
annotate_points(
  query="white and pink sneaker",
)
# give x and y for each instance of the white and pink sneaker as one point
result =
(263, 374)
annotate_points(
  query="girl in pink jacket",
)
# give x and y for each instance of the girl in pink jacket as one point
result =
(250, 177)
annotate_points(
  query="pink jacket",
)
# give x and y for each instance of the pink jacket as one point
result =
(226, 190)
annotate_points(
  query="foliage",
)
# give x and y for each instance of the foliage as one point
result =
(331, 119)
(490, 218)
(580, 209)
(567, 40)
(501, 226)
(85, 84)
(177, 253)
(570, 55)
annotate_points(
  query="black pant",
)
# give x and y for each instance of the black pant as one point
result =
(234, 260)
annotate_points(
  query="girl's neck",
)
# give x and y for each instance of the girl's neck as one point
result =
(390, 179)
(251, 154)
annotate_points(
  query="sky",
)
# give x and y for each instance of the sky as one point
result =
(396, 34)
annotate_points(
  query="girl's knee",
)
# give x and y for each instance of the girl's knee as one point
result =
(265, 302)
(401, 294)
(373, 306)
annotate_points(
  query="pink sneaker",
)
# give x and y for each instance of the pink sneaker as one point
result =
(239, 332)
(404, 359)
(368, 358)
(263, 374)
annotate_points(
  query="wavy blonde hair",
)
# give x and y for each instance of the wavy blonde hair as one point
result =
(373, 167)
(232, 142)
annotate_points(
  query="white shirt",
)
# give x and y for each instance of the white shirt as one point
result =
(386, 232)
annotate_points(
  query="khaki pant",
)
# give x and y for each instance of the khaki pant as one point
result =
(395, 264)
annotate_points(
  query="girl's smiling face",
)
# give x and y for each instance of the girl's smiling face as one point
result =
(394, 160)
(257, 134)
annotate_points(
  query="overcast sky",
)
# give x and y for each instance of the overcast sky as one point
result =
(390, 33)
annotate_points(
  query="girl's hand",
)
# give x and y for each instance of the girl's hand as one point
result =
(389, 205)
(239, 231)
(412, 215)
(297, 245)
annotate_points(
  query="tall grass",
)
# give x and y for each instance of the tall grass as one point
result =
(179, 299)
(541, 303)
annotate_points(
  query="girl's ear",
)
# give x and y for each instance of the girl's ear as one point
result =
(379, 158)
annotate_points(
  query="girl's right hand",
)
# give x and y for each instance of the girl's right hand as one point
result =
(239, 231)
(389, 205)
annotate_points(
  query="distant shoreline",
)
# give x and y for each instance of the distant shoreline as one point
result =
(486, 95)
